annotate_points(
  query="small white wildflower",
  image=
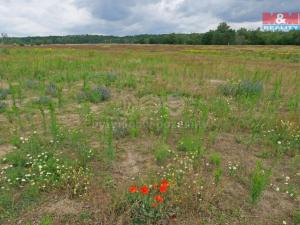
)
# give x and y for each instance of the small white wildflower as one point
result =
(279, 142)
(284, 222)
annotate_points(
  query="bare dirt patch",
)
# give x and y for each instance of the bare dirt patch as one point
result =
(176, 105)
(64, 207)
(69, 120)
(5, 149)
(135, 160)
(216, 82)
(235, 152)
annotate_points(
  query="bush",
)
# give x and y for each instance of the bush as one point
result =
(51, 89)
(31, 84)
(120, 131)
(249, 88)
(97, 95)
(43, 101)
(244, 88)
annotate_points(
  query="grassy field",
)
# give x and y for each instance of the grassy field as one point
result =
(112, 134)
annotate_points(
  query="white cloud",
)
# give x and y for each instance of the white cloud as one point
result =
(120, 17)
(38, 17)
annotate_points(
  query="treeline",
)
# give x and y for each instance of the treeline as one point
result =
(223, 35)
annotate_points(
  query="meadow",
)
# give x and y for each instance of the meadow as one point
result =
(149, 134)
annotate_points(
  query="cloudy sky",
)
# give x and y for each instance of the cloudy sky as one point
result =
(127, 17)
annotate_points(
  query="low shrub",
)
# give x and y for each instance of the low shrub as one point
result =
(31, 84)
(3, 94)
(244, 88)
(3, 107)
(99, 94)
(52, 90)
(43, 101)
(120, 131)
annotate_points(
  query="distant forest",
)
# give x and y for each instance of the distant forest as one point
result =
(223, 35)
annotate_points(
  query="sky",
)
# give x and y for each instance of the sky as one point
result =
(129, 17)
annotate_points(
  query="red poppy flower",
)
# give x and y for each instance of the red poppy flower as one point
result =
(165, 182)
(163, 188)
(144, 190)
(159, 199)
(133, 189)
(154, 205)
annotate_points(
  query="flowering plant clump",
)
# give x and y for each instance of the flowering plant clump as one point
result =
(46, 170)
(285, 136)
(149, 203)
